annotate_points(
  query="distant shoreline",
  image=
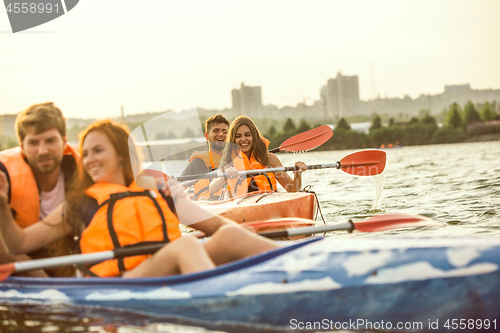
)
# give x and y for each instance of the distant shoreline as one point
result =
(483, 138)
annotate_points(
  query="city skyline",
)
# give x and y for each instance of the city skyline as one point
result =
(152, 56)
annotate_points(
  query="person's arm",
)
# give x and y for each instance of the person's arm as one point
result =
(20, 241)
(195, 167)
(212, 224)
(193, 215)
(289, 184)
(217, 183)
(4, 170)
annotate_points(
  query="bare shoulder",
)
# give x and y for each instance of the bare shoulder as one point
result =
(275, 161)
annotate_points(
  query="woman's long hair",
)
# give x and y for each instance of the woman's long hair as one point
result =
(118, 135)
(259, 149)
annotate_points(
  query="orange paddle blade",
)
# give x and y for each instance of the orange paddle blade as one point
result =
(364, 163)
(308, 140)
(394, 221)
(6, 270)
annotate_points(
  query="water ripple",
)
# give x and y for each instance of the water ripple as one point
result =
(454, 189)
(460, 188)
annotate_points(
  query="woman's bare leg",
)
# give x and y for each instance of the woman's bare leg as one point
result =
(182, 256)
(187, 255)
(231, 243)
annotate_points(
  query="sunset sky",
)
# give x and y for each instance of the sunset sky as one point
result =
(154, 55)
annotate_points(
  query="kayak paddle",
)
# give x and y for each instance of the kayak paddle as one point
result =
(361, 163)
(372, 224)
(23, 266)
(307, 140)
(301, 142)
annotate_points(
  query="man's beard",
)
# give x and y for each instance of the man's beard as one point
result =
(217, 145)
(45, 169)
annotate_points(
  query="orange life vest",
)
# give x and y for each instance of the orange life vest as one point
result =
(24, 193)
(265, 182)
(126, 216)
(201, 188)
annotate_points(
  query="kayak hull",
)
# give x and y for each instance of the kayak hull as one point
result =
(260, 206)
(330, 281)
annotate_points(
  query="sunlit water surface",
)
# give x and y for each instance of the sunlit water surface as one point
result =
(457, 184)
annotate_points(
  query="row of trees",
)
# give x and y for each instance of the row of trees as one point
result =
(460, 124)
(462, 118)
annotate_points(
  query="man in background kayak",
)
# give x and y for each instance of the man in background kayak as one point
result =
(39, 172)
(200, 162)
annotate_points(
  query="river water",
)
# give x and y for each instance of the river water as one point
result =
(456, 184)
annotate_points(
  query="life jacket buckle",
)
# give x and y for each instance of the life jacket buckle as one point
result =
(118, 196)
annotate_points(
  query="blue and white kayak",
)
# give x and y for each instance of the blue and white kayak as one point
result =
(416, 284)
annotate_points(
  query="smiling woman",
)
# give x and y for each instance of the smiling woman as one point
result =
(107, 210)
(100, 159)
(244, 139)
(247, 150)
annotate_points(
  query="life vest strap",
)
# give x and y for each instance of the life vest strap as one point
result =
(212, 197)
(270, 183)
(238, 183)
(197, 194)
(85, 269)
(113, 198)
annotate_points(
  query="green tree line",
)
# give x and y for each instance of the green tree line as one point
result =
(460, 123)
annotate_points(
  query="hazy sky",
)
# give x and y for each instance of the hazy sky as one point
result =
(153, 55)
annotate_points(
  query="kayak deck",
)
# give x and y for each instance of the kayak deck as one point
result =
(260, 206)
